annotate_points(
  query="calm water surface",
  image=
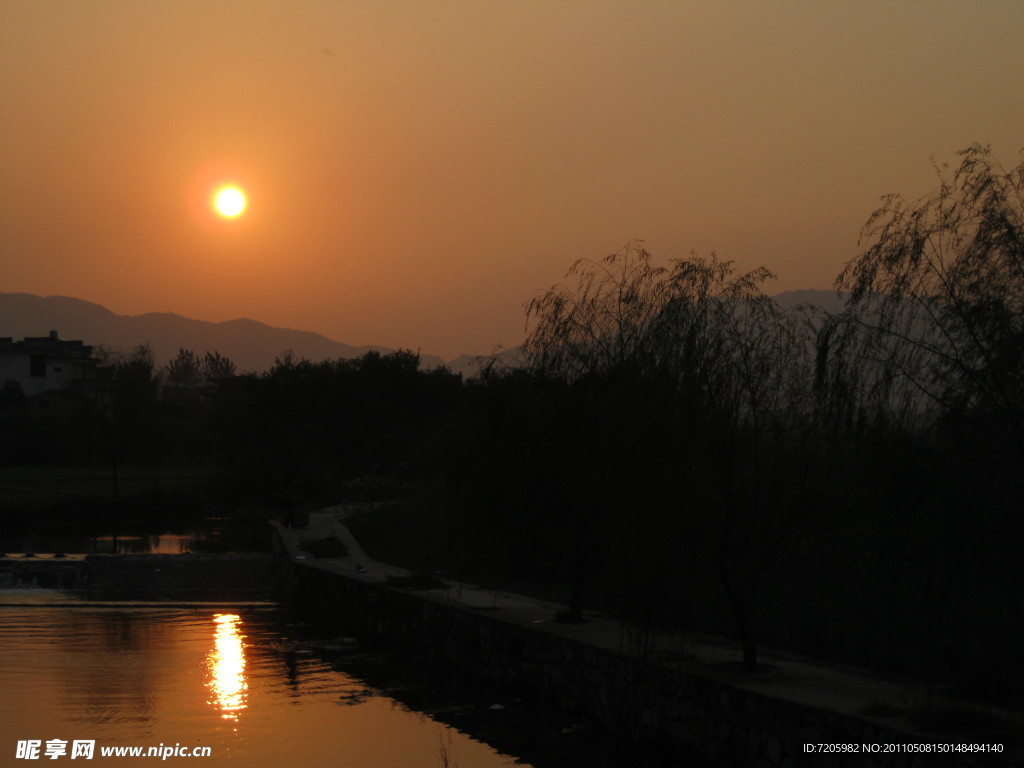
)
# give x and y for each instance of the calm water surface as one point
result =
(227, 679)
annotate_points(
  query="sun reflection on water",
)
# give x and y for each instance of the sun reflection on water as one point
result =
(226, 664)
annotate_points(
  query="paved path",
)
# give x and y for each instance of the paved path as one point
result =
(844, 690)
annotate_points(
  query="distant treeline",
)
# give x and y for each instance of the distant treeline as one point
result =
(679, 450)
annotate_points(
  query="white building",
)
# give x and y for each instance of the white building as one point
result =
(43, 364)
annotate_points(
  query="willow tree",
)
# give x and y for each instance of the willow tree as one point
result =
(937, 297)
(930, 356)
(740, 365)
(700, 354)
(588, 345)
(608, 318)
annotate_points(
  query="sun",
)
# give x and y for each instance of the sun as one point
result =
(229, 202)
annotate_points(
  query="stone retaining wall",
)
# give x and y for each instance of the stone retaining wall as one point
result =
(693, 718)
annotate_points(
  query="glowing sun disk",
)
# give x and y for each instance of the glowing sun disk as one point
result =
(229, 202)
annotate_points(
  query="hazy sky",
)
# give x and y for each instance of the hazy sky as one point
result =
(416, 171)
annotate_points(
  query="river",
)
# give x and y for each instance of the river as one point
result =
(238, 681)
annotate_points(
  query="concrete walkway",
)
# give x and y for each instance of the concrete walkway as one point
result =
(844, 690)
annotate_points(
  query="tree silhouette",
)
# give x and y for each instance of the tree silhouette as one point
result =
(125, 387)
(216, 366)
(938, 297)
(188, 369)
(596, 339)
(739, 366)
(185, 370)
(695, 364)
(921, 385)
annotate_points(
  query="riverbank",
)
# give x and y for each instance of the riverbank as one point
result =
(681, 696)
(245, 577)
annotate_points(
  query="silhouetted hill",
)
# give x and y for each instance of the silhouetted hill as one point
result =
(250, 344)
(830, 301)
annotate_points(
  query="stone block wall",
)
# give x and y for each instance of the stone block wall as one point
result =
(693, 718)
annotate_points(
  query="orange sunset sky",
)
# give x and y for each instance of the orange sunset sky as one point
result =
(416, 171)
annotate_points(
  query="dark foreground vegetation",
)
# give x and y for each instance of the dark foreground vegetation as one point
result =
(673, 447)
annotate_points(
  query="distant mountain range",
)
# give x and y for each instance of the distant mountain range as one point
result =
(250, 344)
